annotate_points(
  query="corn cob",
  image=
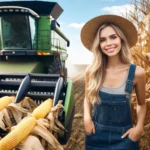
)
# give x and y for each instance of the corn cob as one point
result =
(43, 109)
(4, 101)
(21, 131)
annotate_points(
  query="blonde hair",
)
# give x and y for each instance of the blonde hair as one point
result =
(95, 73)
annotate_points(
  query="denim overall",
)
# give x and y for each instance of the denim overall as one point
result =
(112, 118)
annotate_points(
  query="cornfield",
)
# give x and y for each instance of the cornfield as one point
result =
(141, 57)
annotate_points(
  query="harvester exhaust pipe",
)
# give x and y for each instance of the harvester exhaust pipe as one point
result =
(23, 88)
(58, 89)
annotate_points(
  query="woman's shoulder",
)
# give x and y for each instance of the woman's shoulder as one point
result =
(139, 73)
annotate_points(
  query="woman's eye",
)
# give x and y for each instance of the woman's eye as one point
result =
(102, 40)
(113, 37)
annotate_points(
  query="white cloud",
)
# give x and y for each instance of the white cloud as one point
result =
(76, 25)
(119, 10)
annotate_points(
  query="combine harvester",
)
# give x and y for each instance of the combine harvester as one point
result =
(33, 52)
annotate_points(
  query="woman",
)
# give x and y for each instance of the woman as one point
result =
(109, 82)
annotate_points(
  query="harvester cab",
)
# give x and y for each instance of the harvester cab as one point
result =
(33, 52)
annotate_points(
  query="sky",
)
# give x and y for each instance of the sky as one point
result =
(76, 13)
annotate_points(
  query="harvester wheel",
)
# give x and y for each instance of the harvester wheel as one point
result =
(54, 68)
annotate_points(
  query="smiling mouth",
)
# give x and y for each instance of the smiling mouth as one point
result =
(110, 49)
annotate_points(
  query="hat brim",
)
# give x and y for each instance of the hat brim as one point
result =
(90, 29)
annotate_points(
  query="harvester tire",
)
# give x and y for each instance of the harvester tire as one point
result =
(54, 68)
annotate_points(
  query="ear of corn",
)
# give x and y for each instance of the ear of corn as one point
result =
(43, 109)
(4, 101)
(21, 131)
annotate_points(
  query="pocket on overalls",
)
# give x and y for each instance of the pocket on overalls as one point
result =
(131, 144)
(99, 139)
(113, 111)
(129, 139)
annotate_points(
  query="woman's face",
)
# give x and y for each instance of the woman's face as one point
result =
(110, 42)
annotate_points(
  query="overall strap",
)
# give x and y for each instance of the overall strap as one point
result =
(129, 82)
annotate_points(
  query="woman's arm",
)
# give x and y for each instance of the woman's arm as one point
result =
(88, 123)
(141, 112)
(139, 83)
(87, 109)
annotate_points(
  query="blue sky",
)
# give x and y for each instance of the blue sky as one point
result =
(76, 13)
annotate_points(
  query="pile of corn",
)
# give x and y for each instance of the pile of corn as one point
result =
(30, 126)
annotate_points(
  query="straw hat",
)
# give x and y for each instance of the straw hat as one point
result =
(89, 30)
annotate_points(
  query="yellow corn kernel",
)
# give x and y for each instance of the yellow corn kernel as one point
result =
(21, 131)
(4, 101)
(43, 109)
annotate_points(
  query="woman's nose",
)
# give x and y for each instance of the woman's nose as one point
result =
(108, 42)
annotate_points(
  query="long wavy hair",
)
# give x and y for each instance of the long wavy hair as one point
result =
(95, 73)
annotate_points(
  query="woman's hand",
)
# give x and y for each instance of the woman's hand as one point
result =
(89, 126)
(133, 133)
